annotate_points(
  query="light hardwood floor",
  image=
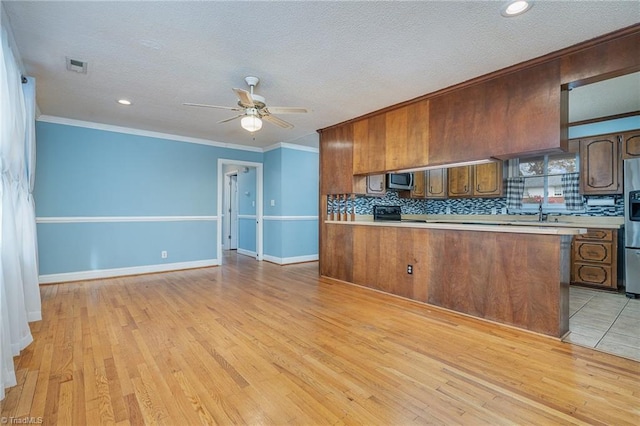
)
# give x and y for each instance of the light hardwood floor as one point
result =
(256, 343)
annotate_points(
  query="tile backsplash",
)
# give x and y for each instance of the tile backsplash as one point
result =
(364, 205)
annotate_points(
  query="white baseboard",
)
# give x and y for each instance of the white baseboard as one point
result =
(118, 272)
(289, 260)
(246, 252)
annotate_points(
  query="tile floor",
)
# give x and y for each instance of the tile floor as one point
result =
(606, 321)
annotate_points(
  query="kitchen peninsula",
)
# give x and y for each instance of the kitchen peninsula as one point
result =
(510, 274)
(513, 274)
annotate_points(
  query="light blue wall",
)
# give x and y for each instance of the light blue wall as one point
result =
(291, 180)
(273, 182)
(87, 172)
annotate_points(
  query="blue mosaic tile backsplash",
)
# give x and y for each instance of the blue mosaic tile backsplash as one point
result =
(364, 205)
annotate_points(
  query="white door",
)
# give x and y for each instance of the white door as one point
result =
(233, 212)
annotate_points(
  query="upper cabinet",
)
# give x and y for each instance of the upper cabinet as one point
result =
(487, 179)
(393, 140)
(369, 145)
(513, 113)
(336, 162)
(600, 165)
(436, 183)
(481, 180)
(631, 144)
(407, 136)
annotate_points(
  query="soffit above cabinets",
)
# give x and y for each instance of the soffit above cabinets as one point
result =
(340, 60)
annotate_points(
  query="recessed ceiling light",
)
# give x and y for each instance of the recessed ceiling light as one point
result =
(515, 7)
(124, 102)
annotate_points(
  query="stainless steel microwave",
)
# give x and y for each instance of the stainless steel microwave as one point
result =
(402, 181)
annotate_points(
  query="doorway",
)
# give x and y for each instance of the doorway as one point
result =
(228, 212)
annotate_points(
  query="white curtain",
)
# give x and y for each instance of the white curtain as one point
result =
(19, 292)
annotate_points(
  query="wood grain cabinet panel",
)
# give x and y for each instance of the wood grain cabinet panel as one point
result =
(369, 145)
(480, 180)
(419, 186)
(436, 183)
(513, 113)
(595, 258)
(600, 165)
(487, 179)
(631, 145)
(407, 136)
(336, 160)
(459, 181)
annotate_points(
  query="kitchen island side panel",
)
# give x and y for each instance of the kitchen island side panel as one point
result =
(515, 279)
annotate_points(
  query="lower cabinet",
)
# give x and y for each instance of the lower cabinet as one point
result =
(595, 258)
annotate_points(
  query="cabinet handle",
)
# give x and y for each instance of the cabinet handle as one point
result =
(478, 188)
(465, 188)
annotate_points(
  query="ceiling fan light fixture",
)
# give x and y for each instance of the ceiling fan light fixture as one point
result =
(515, 7)
(251, 122)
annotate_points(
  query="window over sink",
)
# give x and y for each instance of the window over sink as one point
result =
(543, 180)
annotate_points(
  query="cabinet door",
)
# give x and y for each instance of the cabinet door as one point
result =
(375, 185)
(407, 136)
(418, 190)
(369, 145)
(459, 181)
(436, 183)
(600, 165)
(487, 179)
(336, 145)
(631, 144)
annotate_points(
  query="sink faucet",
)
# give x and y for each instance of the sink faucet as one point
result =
(541, 216)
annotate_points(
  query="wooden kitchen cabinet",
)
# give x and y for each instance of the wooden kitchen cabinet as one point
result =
(392, 140)
(459, 182)
(487, 179)
(369, 145)
(436, 183)
(595, 258)
(517, 112)
(631, 144)
(600, 165)
(418, 190)
(407, 136)
(480, 180)
(336, 160)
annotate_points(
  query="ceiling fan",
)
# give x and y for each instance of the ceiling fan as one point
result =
(254, 109)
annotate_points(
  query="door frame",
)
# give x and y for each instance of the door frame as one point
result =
(229, 201)
(259, 203)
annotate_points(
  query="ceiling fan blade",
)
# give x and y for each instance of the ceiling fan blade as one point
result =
(277, 121)
(287, 110)
(212, 106)
(245, 98)
(229, 119)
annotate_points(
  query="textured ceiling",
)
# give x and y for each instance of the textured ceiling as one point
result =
(338, 59)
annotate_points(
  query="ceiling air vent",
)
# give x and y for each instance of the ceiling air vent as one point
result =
(76, 65)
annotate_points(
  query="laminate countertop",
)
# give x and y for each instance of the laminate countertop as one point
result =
(475, 225)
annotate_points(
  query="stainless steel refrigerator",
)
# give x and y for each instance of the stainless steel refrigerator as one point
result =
(632, 226)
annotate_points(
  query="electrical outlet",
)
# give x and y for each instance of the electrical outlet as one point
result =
(494, 210)
(253, 204)
(448, 210)
(410, 269)
(164, 254)
(273, 203)
(503, 210)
